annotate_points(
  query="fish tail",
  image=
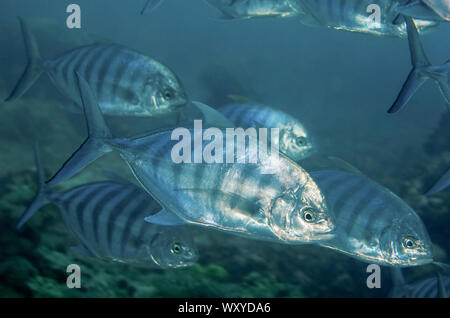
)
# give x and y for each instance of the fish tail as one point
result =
(34, 68)
(398, 283)
(150, 6)
(98, 142)
(421, 72)
(41, 197)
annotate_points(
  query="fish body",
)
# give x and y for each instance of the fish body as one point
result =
(294, 141)
(438, 10)
(357, 16)
(441, 7)
(108, 218)
(126, 82)
(372, 223)
(243, 198)
(432, 287)
(247, 9)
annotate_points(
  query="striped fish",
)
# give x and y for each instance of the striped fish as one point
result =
(108, 219)
(441, 184)
(433, 287)
(240, 198)
(126, 82)
(372, 223)
(244, 9)
(356, 16)
(294, 141)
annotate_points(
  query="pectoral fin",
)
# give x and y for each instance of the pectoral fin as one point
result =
(165, 218)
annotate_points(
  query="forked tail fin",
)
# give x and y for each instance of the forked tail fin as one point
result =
(41, 197)
(34, 68)
(421, 72)
(95, 145)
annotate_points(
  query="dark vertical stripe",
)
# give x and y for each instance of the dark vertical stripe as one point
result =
(135, 215)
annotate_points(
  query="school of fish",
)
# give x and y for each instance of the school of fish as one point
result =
(271, 198)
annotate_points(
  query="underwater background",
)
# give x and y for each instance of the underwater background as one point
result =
(338, 84)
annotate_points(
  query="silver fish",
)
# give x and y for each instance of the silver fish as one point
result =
(294, 141)
(356, 16)
(438, 10)
(441, 184)
(372, 223)
(245, 9)
(433, 287)
(108, 219)
(241, 198)
(126, 82)
(421, 72)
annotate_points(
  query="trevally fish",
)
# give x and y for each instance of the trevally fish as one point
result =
(433, 287)
(421, 72)
(372, 223)
(245, 9)
(241, 198)
(126, 82)
(108, 219)
(427, 9)
(441, 184)
(294, 141)
(357, 16)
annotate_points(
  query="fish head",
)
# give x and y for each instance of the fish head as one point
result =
(173, 247)
(163, 93)
(301, 215)
(295, 142)
(406, 243)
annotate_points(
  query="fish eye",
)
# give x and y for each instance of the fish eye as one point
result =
(308, 215)
(409, 242)
(168, 93)
(300, 141)
(176, 248)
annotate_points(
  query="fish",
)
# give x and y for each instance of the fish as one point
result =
(421, 72)
(441, 184)
(357, 16)
(107, 217)
(373, 225)
(431, 287)
(126, 82)
(284, 205)
(294, 141)
(244, 9)
(438, 10)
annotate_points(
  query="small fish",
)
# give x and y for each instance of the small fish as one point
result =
(126, 82)
(242, 198)
(294, 140)
(372, 223)
(421, 72)
(357, 16)
(244, 9)
(437, 10)
(432, 287)
(108, 219)
(441, 184)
